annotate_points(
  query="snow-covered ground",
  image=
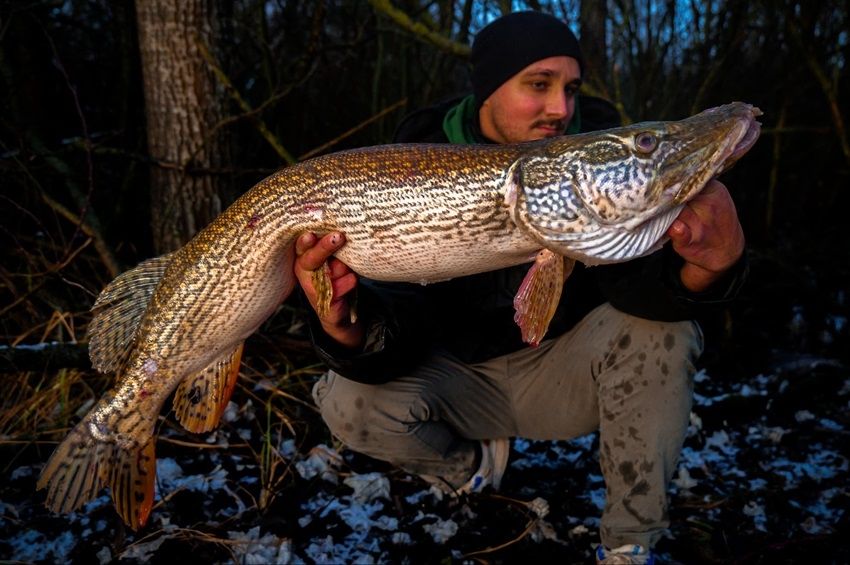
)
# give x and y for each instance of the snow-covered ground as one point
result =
(758, 469)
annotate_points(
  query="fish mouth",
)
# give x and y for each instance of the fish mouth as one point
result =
(746, 141)
(747, 129)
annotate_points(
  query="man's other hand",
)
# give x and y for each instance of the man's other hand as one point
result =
(708, 236)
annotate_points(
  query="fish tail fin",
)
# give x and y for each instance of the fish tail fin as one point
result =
(82, 464)
(74, 473)
(132, 480)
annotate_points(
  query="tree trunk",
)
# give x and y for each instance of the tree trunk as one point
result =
(594, 47)
(183, 107)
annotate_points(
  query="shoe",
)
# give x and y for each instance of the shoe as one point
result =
(494, 460)
(625, 554)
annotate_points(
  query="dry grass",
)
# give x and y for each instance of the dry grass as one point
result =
(49, 277)
(38, 407)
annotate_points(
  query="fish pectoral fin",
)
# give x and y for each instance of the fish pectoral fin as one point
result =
(201, 397)
(324, 289)
(119, 309)
(538, 295)
(82, 465)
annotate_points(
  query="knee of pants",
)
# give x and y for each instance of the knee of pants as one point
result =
(361, 415)
(674, 352)
(650, 346)
(649, 362)
(343, 409)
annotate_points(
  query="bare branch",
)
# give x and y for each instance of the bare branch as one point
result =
(386, 8)
(89, 225)
(829, 89)
(270, 138)
(353, 130)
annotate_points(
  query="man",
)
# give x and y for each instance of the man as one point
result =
(436, 379)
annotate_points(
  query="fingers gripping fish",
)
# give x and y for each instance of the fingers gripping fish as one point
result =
(415, 213)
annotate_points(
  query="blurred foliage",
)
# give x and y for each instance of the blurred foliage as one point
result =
(341, 73)
(312, 76)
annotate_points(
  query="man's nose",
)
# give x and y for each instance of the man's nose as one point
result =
(557, 105)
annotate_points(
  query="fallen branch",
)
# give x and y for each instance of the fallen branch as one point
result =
(44, 356)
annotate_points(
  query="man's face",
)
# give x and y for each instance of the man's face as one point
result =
(537, 102)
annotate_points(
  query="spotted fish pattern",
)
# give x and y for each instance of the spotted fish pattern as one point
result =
(416, 213)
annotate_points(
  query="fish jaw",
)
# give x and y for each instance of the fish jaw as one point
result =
(609, 196)
(720, 137)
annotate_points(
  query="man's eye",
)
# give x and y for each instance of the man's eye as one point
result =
(539, 85)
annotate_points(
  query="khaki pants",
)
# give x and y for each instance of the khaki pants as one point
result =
(628, 377)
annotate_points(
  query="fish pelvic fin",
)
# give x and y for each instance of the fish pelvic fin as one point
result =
(201, 397)
(83, 464)
(118, 311)
(538, 295)
(324, 289)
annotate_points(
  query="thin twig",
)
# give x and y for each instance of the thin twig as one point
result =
(86, 204)
(88, 228)
(355, 129)
(234, 94)
(508, 543)
(829, 89)
(199, 445)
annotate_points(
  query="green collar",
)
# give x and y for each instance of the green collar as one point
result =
(459, 122)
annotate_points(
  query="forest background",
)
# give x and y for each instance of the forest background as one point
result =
(126, 126)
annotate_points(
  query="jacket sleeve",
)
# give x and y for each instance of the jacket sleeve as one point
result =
(650, 287)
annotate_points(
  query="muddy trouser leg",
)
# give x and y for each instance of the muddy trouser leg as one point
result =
(426, 422)
(628, 377)
(636, 377)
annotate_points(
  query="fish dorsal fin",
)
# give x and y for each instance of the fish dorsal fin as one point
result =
(538, 295)
(201, 397)
(118, 311)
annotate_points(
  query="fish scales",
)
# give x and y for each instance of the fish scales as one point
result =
(417, 213)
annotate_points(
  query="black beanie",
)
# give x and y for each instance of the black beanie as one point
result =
(507, 45)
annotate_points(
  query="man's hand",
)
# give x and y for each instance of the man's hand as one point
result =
(708, 236)
(310, 253)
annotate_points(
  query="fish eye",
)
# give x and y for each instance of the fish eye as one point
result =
(646, 142)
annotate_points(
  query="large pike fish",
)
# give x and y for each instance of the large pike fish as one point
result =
(417, 213)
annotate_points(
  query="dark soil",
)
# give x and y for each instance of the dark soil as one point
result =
(763, 477)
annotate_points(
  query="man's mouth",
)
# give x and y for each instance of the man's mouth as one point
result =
(551, 128)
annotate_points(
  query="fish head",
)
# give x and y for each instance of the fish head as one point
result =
(610, 196)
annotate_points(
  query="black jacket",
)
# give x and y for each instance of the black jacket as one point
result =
(472, 317)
